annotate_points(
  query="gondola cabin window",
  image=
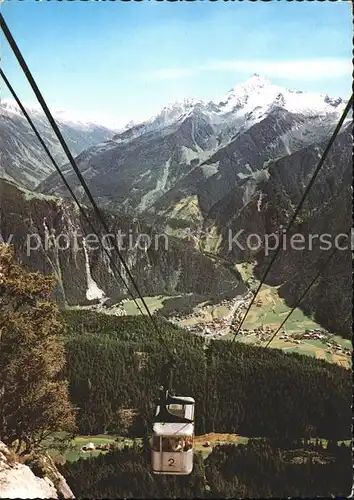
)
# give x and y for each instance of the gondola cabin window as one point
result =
(177, 444)
(172, 444)
(178, 410)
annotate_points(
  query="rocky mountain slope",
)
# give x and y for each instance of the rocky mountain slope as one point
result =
(19, 481)
(266, 202)
(196, 152)
(22, 157)
(51, 236)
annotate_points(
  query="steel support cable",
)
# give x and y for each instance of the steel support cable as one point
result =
(318, 274)
(60, 138)
(298, 208)
(43, 144)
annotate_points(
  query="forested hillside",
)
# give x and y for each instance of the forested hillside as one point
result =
(118, 363)
(33, 223)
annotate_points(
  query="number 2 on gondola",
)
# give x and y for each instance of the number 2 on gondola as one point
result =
(171, 462)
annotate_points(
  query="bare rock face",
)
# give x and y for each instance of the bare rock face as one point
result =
(20, 481)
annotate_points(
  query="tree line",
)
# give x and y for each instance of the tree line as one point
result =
(260, 469)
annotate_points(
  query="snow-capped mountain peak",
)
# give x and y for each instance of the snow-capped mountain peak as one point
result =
(239, 95)
(10, 106)
(244, 105)
(261, 94)
(23, 159)
(72, 118)
(254, 83)
(171, 113)
(174, 110)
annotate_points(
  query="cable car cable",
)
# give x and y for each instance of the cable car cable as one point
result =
(323, 267)
(298, 208)
(169, 400)
(57, 132)
(30, 122)
(170, 355)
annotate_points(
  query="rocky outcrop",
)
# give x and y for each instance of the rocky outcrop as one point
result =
(18, 480)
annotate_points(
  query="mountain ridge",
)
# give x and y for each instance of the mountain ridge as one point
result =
(137, 167)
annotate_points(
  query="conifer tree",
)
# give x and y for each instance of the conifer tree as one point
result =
(34, 399)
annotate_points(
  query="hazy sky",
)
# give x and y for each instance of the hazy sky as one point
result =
(121, 61)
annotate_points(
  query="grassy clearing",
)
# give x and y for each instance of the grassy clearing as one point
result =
(207, 314)
(186, 209)
(100, 439)
(314, 348)
(219, 311)
(30, 195)
(246, 270)
(74, 451)
(216, 439)
(153, 304)
(342, 342)
(271, 311)
(212, 241)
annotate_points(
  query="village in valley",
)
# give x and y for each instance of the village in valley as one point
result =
(220, 327)
(307, 340)
(220, 321)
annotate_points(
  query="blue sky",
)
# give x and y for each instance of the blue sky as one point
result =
(122, 61)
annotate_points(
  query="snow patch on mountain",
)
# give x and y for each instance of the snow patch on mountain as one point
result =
(93, 292)
(258, 95)
(174, 111)
(161, 187)
(23, 159)
(170, 114)
(210, 169)
(188, 154)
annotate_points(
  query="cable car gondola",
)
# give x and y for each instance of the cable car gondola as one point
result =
(173, 432)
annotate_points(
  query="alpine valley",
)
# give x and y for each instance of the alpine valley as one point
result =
(197, 171)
